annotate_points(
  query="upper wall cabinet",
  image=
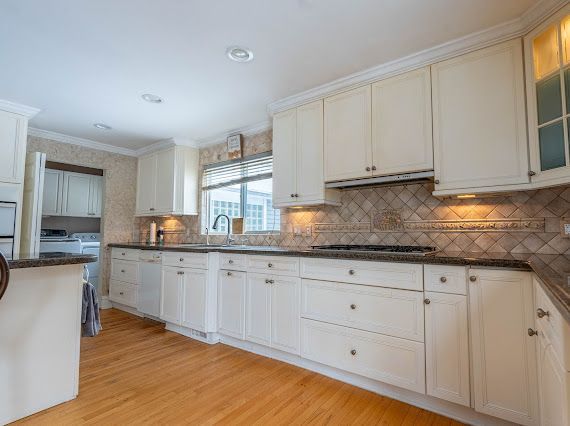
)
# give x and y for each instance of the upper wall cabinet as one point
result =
(13, 133)
(479, 123)
(72, 194)
(298, 158)
(401, 124)
(547, 51)
(167, 182)
(380, 129)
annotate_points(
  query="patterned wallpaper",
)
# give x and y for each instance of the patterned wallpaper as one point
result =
(521, 222)
(120, 175)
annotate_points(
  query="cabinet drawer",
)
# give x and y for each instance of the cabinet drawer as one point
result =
(446, 279)
(124, 270)
(233, 261)
(553, 325)
(388, 359)
(274, 265)
(125, 254)
(382, 274)
(186, 260)
(398, 313)
(123, 293)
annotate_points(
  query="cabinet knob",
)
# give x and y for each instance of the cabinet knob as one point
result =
(532, 332)
(151, 209)
(531, 173)
(229, 274)
(443, 279)
(182, 259)
(121, 293)
(472, 278)
(353, 352)
(230, 261)
(353, 306)
(351, 272)
(123, 253)
(436, 181)
(270, 265)
(427, 301)
(123, 271)
(296, 195)
(373, 167)
(368, 169)
(541, 313)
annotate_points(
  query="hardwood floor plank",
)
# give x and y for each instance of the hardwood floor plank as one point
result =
(135, 372)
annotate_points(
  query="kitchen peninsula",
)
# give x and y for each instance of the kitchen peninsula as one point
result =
(40, 339)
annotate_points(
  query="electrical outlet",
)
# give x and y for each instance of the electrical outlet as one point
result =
(308, 231)
(298, 230)
(567, 229)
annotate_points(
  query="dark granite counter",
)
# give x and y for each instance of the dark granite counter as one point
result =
(49, 259)
(553, 270)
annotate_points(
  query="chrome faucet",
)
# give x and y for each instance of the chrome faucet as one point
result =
(215, 227)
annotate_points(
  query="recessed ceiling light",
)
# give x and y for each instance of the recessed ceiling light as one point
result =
(153, 99)
(102, 126)
(239, 54)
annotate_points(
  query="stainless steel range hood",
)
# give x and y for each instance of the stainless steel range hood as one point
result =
(417, 177)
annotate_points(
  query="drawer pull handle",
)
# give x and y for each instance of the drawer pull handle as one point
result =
(229, 274)
(270, 265)
(121, 293)
(472, 278)
(269, 281)
(230, 261)
(351, 272)
(353, 352)
(541, 313)
(532, 332)
(427, 301)
(182, 259)
(180, 272)
(353, 306)
(443, 279)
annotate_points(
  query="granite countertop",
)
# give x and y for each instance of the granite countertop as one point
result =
(553, 270)
(24, 260)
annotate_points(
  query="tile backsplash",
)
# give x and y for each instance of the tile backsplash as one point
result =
(521, 222)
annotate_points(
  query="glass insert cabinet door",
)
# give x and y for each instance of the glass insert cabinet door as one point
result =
(548, 88)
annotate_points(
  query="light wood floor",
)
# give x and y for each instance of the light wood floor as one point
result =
(135, 372)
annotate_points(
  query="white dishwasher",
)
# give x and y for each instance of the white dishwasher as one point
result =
(149, 285)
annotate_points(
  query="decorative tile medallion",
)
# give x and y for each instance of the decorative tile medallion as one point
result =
(341, 227)
(388, 220)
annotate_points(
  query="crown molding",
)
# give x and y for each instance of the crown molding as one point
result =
(246, 131)
(86, 143)
(499, 33)
(20, 109)
(165, 143)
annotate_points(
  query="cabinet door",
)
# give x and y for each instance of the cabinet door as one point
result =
(285, 315)
(231, 303)
(447, 347)
(53, 192)
(401, 123)
(170, 291)
(504, 355)
(348, 149)
(258, 309)
(284, 157)
(13, 132)
(165, 184)
(310, 180)
(554, 386)
(194, 282)
(76, 194)
(95, 196)
(146, 184)
(479, 124)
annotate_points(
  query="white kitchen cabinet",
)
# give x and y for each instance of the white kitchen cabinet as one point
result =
(194, 282)
(231, 303)
(479, 122)
(82, 195)
(547, 80)
(53, 192)
(13, 134)
(447, 347)
(504, 355)
(348, 135)
(167, 182)
(272, 311)
(402, 124)
(170, 291)
(298, 158)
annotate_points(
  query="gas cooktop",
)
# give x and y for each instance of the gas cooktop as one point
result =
(416, 250)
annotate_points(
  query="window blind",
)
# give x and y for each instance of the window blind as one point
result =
(240, 171)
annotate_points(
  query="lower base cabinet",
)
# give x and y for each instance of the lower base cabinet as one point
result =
(123, 293)
(392, 360)
(504, 354)
(447, 347)
(272, 306)
(231, 303)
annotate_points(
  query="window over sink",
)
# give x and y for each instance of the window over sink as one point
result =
(241, 188)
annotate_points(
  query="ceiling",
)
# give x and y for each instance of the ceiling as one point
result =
(88, 61)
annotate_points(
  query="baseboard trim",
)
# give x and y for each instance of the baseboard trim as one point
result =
(105, 303)
(209, 338)
(127, 309)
